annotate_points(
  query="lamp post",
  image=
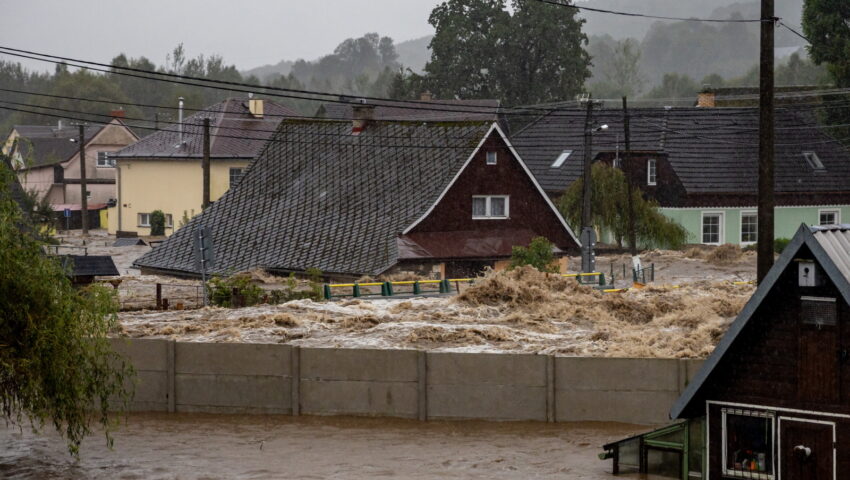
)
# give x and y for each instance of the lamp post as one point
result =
(588, 234)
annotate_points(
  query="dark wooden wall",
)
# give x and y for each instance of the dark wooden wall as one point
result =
(527, 206)
(764, 367)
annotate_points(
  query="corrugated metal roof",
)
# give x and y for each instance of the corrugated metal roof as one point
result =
(835, 240)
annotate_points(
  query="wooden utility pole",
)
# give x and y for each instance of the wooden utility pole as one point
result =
(205, 164)
(766, 139)
(84, 211)
(627, 170)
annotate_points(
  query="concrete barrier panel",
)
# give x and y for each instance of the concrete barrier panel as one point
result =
(372, 398)
(149, 358)
(143, 353)
(359, 382)
(241, 393)
(626, 406)
(233, 359)
(359, 365)
(487, 386)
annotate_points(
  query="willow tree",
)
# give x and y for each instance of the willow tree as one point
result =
(56, 364)
(609, 198)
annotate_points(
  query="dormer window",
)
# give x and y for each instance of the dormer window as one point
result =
(559, 162)
(491, 158)
(813, 160)
(650, 172)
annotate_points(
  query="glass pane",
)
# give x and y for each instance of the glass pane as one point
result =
(630, 455)
(696, 443)
(711, 229)
(749, 228)
(497, 207)
(749, 444)
(827, 218)
(664, 463)
(491, 158)
(479, 206)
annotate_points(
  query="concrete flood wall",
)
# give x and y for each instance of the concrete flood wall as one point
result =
(283, 379)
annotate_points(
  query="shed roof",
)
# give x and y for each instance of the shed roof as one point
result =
(830, 246)
(234, 133)
(91, 265)
(45, 145)
(319, 197)
(711, 150)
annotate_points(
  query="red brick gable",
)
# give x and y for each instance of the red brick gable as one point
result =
(528, 208)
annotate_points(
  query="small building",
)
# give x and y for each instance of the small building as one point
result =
(163, 171)
(354, 198)
(701, 165)
(47, 159)
(773, 399)
(84, 268)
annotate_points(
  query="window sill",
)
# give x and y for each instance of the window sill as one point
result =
(491, 218)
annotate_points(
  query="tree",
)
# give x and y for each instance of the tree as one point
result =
(609, 198)
(620, 69)
(56, 363)
(157, 222)
(538, 254)
(675, 86)
(827, 25)
(480, 50)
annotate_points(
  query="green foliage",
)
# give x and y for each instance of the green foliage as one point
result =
(221, 290)
(538, 254)
(609, 197)
(534, 54)
(674, 85)
(56, 364)
(617, 63)
(779, 244)
(157, 222)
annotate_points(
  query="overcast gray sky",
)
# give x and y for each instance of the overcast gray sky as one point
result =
(247, 33)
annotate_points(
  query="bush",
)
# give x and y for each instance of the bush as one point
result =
(538, 254)
(157, 223)
(221, 290)
(779, 244)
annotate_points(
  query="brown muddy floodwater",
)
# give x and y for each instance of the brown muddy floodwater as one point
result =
(194, 446)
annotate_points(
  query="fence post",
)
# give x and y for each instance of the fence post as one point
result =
(416, 290)
(356, 291)
(390, 289)
(601, 279)
(652, 271)
(327, 292)
(384, 291)
(159, 296)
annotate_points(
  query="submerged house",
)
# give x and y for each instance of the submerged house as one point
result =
(701, 165)
(354, 198)
(773, 399)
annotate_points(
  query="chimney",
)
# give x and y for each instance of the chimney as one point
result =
(59, 124)
(707, 97)
(362, 114)
(255, 106)
(117, 113)
(426, 96)
(180, 120)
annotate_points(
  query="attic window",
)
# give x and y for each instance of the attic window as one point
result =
(818, 311)
(561, 159)
(813, 160)
(491, 158)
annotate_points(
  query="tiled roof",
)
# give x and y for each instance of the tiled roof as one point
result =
(319, 197)
(234, 133)
(44, 145)
(435, 110)
(712, 150)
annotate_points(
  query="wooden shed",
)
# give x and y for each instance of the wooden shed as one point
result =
(773, 399)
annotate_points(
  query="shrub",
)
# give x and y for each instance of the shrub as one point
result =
(779, 244)
(538, 254)
(221, 290)
(157, 222)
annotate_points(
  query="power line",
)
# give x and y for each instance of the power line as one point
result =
(657, 17)
(795, 32)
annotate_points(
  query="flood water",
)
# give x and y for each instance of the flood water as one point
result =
(195, 446)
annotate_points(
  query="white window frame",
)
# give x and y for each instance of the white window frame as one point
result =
(492, 158)
(721, 233)
(773, 440)
(230, 183)
(487, 209)
(836, 211)
(651, 171)
(169, 221)
(107, 162)
(139, 217)
(741, 226)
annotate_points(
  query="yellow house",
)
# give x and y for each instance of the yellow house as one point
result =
(164, 170)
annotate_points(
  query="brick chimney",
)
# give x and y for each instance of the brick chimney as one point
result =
(707, 97)
(362, 114)
(117, 113)
(426, 96)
